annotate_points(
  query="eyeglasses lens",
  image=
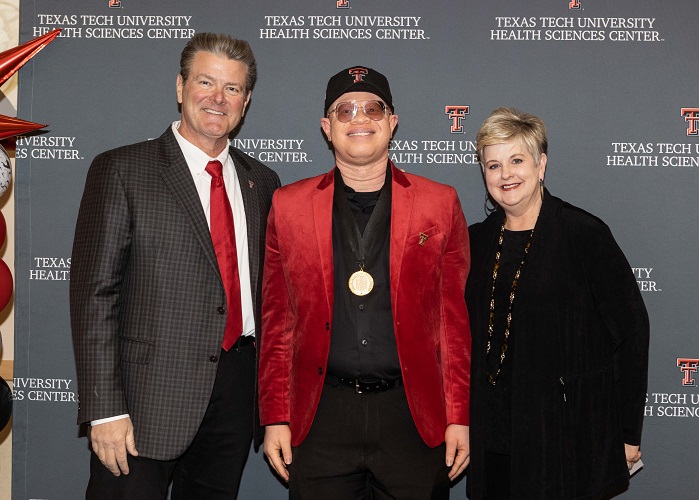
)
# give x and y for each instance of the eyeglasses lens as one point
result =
(373, 109)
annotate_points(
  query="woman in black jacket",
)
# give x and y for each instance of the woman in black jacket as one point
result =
(560, 334)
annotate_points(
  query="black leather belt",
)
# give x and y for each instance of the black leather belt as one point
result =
(362, 385)
(243, 340)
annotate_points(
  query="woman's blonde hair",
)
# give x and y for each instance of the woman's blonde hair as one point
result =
(506, 124)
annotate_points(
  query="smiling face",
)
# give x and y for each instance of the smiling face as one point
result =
(213, 100)
(360, 142)
(512, 179)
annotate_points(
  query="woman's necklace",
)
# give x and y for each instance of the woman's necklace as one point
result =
(492, 379)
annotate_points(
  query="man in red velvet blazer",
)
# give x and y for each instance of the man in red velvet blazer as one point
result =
(365, 349)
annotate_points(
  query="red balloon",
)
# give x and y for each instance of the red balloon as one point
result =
(3, 229)
(6, 285)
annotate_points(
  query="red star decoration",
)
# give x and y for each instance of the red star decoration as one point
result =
(10, 61)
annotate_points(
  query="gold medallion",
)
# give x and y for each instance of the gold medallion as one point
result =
(361, 283)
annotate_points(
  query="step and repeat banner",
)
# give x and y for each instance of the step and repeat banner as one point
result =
(615, 82)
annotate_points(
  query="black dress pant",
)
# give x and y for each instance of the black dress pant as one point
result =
(366, 446)
(212, 465)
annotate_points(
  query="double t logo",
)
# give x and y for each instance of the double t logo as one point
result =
(688, 366)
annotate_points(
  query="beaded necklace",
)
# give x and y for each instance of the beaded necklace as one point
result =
(492, 379)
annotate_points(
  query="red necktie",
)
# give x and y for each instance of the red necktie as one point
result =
(223, 236)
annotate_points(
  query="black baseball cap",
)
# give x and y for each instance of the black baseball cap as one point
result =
(358, 79)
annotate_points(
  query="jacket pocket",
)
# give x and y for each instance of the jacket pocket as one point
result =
(135, 350)
(423, 238)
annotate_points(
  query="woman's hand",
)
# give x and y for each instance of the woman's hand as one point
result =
(633, 455)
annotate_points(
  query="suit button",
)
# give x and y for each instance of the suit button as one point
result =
(213, 358)
(221, 310)
(327, 326)
(320, 370)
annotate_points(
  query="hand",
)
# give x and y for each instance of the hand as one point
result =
(277, 447)
(633, 455)
(111, 441)
(456, 438)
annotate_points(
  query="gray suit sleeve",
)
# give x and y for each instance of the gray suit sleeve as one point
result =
(100, 255)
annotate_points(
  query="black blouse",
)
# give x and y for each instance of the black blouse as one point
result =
(498, 395)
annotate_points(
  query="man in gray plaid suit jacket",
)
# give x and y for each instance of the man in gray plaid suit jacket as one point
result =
(165, 402)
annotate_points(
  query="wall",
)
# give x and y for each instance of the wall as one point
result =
(615, 83)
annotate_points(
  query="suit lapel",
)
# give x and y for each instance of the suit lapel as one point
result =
(249, 188)
(177, 176)
(401, 216)
(323, 220)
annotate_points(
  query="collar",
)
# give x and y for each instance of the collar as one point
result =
(196, 159)
(397, 177)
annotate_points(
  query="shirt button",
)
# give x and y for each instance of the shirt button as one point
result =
(213, 359)
(364, 342)
(221, 310)
(320, 370)
(361, 307)
(327, 326)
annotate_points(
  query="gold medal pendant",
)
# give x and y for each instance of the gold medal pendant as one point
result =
(361, 283)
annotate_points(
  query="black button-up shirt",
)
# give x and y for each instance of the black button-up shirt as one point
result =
(363, 342)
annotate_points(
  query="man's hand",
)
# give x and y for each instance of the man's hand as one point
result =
(111, 441)
(633, 455)
(456, 438)
(277, 447)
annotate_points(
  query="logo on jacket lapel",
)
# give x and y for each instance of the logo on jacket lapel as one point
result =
(250, 183)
